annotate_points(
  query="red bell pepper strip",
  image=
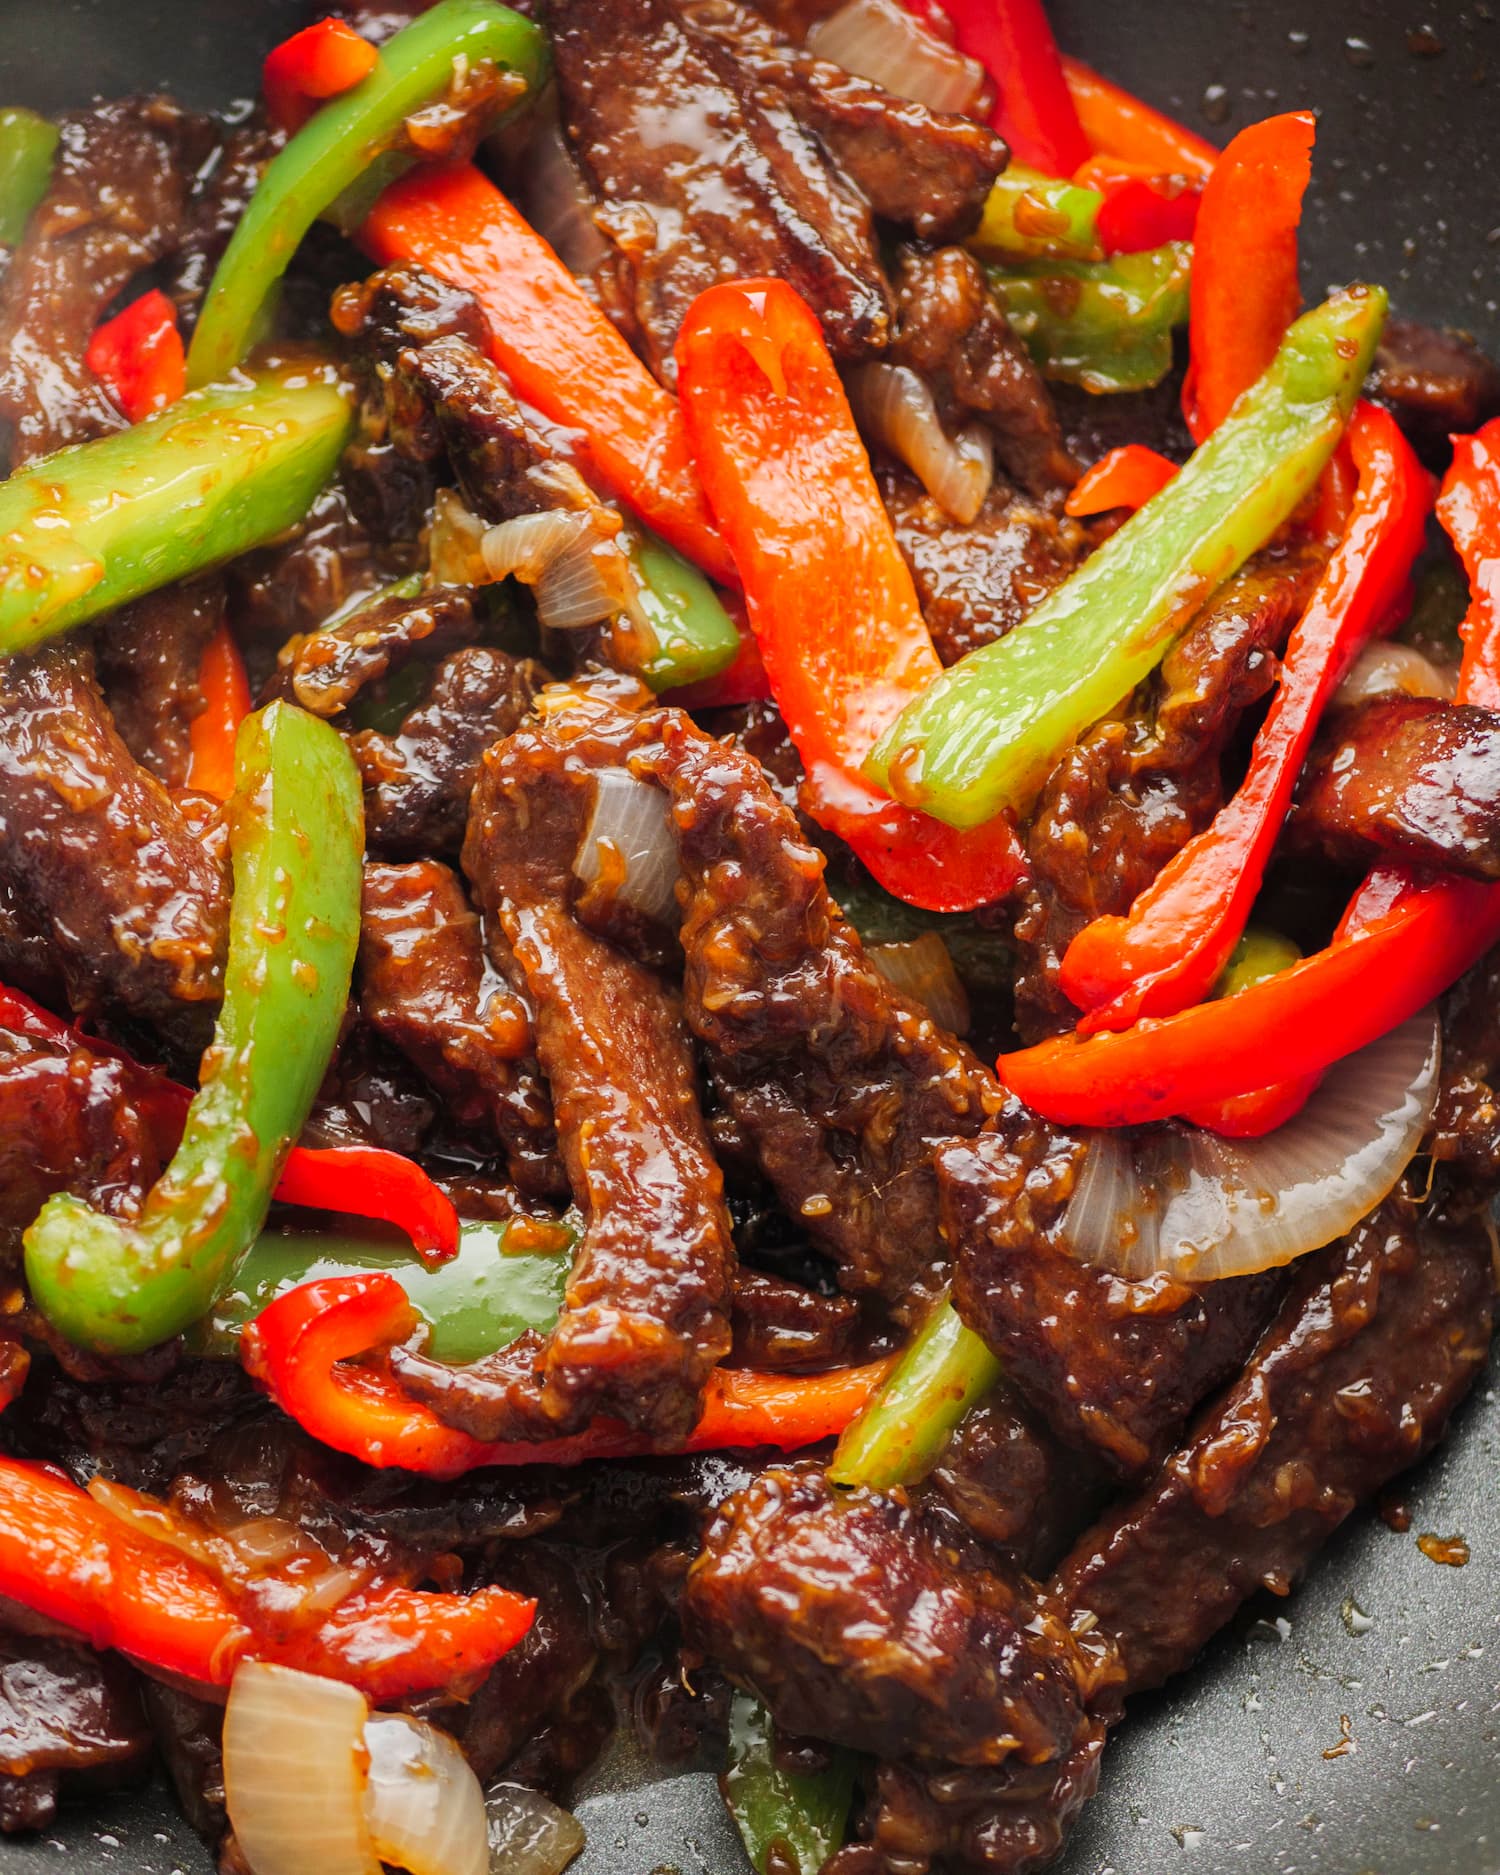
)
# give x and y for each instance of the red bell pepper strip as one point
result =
(364, 1181)
(1118, 124)
(138, 356)
(313, 65)
(1244, 292)
(1140, 212)
(1333, 1002)
(1034, 111)
(1172, 947)
(1469, 508)
(563, 355)
(829, 595)
(303, 1349)
(68, 1558)
(1126, 478)
(226, 704)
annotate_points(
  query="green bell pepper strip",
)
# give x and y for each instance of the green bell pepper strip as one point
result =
(983, 736)
(352, 148)
(1107, 324)
(1260, 953)
(296, 839)
(695, 637)
(801, 1816)
(86, 529)
(476, 1303)
(1029, 216)
(27, 146)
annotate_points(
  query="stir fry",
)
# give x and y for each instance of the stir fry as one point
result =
(749, 874)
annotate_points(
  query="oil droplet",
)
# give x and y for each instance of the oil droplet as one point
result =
(1346, 1742)
(1215, 104)
(1354, 1617)
(1452, 1550)
(1359, 52)
(1189, 1835)
(1298, 40)
(1422, 42)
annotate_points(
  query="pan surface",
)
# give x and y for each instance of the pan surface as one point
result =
(1355, 1728)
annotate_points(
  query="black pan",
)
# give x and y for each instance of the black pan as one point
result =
(1354, 1729)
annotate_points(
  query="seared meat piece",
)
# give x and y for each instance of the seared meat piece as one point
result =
(703, 174)
(296, 584)
(1379, 1338)
(1113, 1367)
(1438, 384)
(646, 1315)
(865, 1619)
(116, 202)
(1409, 778)
(925, 170)
(135, 909)
(1134, 789)
(976, 582)
(148, 658)
(189, 1735)
(220, 199)
(326, 670)
(951, 330)
(1466, 1126)
(418, 782)
(843, 1087)
(424, 984)
(781, 1327)
(1094, 425)
(68, 1718)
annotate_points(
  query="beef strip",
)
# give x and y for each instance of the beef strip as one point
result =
(148, 656)
(646, 1315)
(425, 985)
(780, 1327)
(116, 202)
(841, 1085)
(135, 908)
(950, 329)
(1112, 1367)
(874, 1622)
(221, 197)
(977, 582)
(69, 1719)
(703, 175)
(1438, 384)
(1466, 1125)
(189, 1736)
(326, 670)
(1379, 1338)
(418, 781)
(1135, 788)
(924, 170)
(330, 560)
(1409, 778)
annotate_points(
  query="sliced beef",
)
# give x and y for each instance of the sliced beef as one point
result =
(842, 1087)
(221, 197)
(1409, 778)
(69, 1719)
(646, 1315)
(189, 1736)
(148, 657)
(977, 582)
(1379, 1338)
(1135, 788)
(116, 203)
(703, 175)
(418, 781)
(327, 669)
(425, 985)
(135, 909)
(780, 1327)
(862, 1618)
(950, 329)
(1112, 1367)
(1438, 383)
(329, 560)
(924, 170)
(1466, 1126)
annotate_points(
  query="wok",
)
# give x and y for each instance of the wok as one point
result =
(1355, 1728)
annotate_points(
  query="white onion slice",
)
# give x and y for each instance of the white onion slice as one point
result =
(455, 547)
(528, 1834)
(423, 1804)
(556, 202)
(578, 576)
(293, 1777)
(1387, 669)
(1186, 1203)
(924, 971)
(895, 406)
(628, 845)
(881, 41)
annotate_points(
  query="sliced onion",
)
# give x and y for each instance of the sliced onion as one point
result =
(1387, 669)
(528, 1834)
(423, 1805)
(895, 407)
(924, 970)
(628, 846)
(578, 576)
(1183, 1202)
(293, 1773)
(881, 41)
(557, 204)
(455, 547)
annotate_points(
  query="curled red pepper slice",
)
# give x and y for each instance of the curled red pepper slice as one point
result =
(138, 356)
(226, 704)
(303, 1350)
(316, 64)
(830, 598)
(1469, 508)
(1126, 478)
(1034, 109)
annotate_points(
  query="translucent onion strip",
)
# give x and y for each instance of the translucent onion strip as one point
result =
(1386, 669)
(423, 1805)
(578, 577)
(528, 1834)
(895, 408)
(881, 41)
(1184, 1202)
(628, 849)
(923, 970)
